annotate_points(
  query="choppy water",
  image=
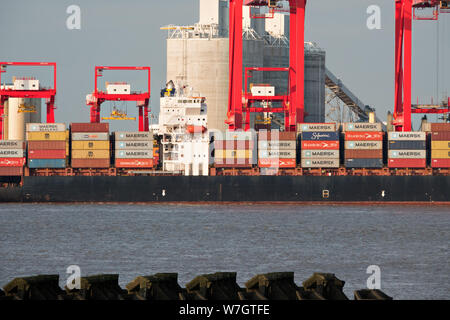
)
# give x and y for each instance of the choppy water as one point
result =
(409, 243)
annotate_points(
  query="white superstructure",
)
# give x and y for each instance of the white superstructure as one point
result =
(183, 124)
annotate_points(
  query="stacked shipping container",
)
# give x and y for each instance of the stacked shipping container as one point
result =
(277, 149)
(407, 150)
(319, 145)
(363, 145)
(235, 150)
(440, 145)
(134, 150)
(47, 145)
(12, 157)
(90, 145)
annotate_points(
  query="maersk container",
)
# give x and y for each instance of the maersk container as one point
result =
(320, 136)
(320, 163)
(407, 136)
(12, 144)
(277, 145)
(277, 154)
(134, 145)
(46, 127)
(362, 126)
(133, 136)
(134, 154)
(407, 154)
(407, 145)
(317, 127)
(320, 154)
(12, 153)
(364, 145)
(364, 163)
(46, 163)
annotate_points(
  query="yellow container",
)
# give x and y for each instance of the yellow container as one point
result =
(440, 145)
(46, 136)
(440, 154)
(90, 145)
(90, 154)
(234, 154)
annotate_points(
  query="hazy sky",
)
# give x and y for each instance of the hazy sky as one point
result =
(119, 32)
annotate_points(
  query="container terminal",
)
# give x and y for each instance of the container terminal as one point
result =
(256, 132)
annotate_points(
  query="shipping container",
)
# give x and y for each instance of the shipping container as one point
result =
(134, 154)
(133, 136)
(277, 145)
(320, 136)
(47, 154)
(320, 154)
(320, 145)
(363, 136)
(12, 153)
(46, 136)
(320, 163)
(236, 135)
(364, 154)
(233, 153)
(440, 154)
(275, 135)
(46, 163)
(89, 127)
(12, 144)
(134, 163)
(364, 145)
(321, 127)
(90, 136)
(440, 163)
(407, 136)
(275, 154)
(12, 162)
(11, 171)
(364, 163)
(134, 145)
(90, 145)
(440, 127)
(440, 136)
(407, 154)
(46, 127)
(90, 163)
(90, 154)
(234, 145)
(440, 145)
(277, 163)
(407, 163)
(407, 145)
(233, 163)
(362, 126)
(47, 145)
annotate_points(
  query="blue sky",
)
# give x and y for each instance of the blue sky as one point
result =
(118, 32)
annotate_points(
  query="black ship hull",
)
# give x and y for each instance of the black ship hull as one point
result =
(336, 189)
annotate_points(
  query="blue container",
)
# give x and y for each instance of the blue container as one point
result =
(407, 145)
(320, 136)
(364, 163)
(46, 163)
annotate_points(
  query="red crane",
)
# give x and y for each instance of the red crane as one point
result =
(405, 11)
(40, 93)
(95, 100)
(236, 101)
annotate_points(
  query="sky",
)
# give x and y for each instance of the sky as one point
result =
(119, 32)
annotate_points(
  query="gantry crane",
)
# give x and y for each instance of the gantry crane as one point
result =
(404, 15)
(237, 103)
(95, 100)
(35, 93)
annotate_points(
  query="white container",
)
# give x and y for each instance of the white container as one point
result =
(364, 145)
(11, 144)
(277, 145)
(133, 136)
(362, 126)
(320, 154)
(134, 145)
(11, 153)
(407, 154)
(317, 127)
(320, 163)
(134, 154)
(93, 136)
(407, 136)
(46, 127)
(277, 154)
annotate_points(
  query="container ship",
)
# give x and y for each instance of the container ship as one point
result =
(273, 150)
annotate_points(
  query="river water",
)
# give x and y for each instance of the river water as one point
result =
(410, 244)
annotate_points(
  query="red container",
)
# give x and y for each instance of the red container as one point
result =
(363, 154)
(407, 163)
(440, 163)
(12, 162)
(363, 136)
(440, 136)
(46, 145)
(11, 171)
(47, 154)
(89, 127)
(234, 145)
(281, 136)
(134, 163)
(90, 163)
(277, 163)
(232, 163)
(320, 145)
(440, 127)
